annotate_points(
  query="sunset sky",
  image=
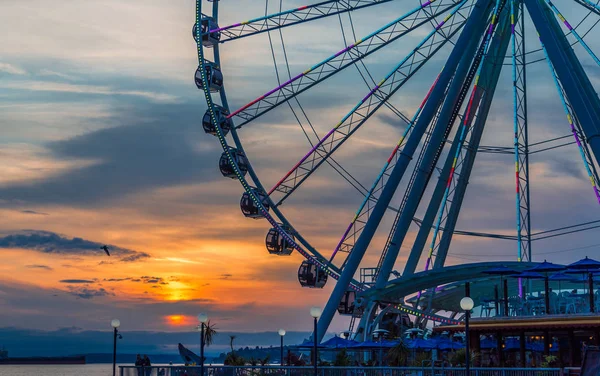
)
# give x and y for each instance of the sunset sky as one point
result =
(102, 144)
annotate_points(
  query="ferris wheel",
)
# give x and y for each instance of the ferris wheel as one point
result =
(470, 43)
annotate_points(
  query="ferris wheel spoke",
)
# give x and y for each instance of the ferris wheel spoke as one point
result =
(371, 103)
(572, 31)
(339, 61)
(574, 125)
(594, 7)
(291, 17)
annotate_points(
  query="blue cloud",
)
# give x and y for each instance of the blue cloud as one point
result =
(49, 242)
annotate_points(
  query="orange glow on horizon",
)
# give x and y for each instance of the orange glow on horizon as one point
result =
(179, 320)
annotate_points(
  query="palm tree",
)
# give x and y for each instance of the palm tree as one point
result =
(398, 355)
(210, 331)
(231, 339)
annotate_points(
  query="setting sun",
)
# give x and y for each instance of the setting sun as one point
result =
(178, 320)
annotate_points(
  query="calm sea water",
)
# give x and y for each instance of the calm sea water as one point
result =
(58, 370)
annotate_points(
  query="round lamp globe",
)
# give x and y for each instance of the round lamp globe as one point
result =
(467, 303)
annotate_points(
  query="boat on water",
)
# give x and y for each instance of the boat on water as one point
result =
(188, 356)
(5, 359)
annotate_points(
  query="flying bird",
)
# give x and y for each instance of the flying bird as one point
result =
(105, 248)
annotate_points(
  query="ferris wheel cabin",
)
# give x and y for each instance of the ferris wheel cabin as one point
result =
(208, 39)
(213, 76)
(347, 304)
(249, 207)
(226, 167)
(311, 276)
(277, 244)
(221, 115)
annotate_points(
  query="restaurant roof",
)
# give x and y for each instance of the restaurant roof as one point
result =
(529, 323)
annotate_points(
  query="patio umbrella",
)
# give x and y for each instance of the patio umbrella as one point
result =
(375, 345)
(560, 277)
(586, 266)
(535, 275)
(420, 343)
(338, 343)
(447, 344)
(502, 271)
(545, 268)
(487, 343)
(308, 344)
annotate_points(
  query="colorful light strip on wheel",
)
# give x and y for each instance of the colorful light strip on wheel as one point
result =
(571, 124)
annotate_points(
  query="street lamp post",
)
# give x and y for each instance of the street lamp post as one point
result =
(467, 304)
(115, 323)
(315, 312)
(203, 318)
(281, 334)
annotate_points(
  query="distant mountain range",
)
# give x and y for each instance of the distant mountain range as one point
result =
(160, 345)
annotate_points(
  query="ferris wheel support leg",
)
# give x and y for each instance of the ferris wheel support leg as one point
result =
(477, 15)
(489, 80)
(429, 159)
(577, 85)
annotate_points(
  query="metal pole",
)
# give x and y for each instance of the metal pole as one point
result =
(281, 350)
(115, 351)
(201, 349)
(591, 292)
(496, 298)
(506, 313)
(547, 296)
(315, 348)
(380, 351)
(467, 344)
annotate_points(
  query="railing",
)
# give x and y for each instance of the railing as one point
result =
(331, 371)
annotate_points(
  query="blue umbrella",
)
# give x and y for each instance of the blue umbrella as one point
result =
(560, 277)
(585, 278)
(338, 343)
(487, 344)
(308, 344)
(420, 343)
(374, 344)
(535, 275)
(586, 265)
(447, 344)
(529, 275)
(546, 267)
